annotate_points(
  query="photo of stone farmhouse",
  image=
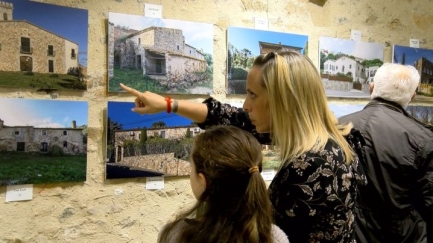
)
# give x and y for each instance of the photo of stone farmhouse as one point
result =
(40, 54)
(32, 139)
(41, 143)
(422, 60)
(167, 154)
(348, 67)
(162, 57)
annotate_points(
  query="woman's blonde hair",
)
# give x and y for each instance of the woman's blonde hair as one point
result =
(301, 120)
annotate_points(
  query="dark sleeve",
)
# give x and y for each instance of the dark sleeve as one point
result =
(425, 185)
(225, 114)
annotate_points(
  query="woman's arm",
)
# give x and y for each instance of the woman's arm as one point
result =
(207, 114)
(151, 103)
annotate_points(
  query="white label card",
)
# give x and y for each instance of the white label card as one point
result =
(414, 43)
(261, 23)
(152, 10)
(19, 192)
(268, 174)
(355, 35)
(155, 183)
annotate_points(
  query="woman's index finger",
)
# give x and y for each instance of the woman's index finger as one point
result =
(130, 90)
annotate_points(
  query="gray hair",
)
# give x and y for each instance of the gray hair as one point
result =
(396, 82)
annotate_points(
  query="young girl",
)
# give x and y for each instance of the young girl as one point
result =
(232, 200)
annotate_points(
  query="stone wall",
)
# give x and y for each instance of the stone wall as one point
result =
(122, 210)
(165, 163)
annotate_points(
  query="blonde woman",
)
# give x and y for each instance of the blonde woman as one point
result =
(313, 193)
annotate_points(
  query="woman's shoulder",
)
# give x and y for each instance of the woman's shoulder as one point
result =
(278, 235)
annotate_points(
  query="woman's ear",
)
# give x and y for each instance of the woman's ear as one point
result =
(202, 180)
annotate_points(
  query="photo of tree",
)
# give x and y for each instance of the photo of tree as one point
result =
(43, 46)
(159, 55)
(244, 45)
(348, 67)
(148, 145)
(42, 141)
(422, 60)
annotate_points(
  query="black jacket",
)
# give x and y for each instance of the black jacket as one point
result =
(397, 203)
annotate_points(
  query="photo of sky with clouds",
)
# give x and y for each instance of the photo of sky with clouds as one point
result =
(198, 35)
(359, 49)
(43, 113)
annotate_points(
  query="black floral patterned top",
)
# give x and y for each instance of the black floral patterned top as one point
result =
(314, 196)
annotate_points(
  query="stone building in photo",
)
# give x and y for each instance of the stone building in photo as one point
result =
(161, 53)
(425, 70)
(34, 139)
(266, 47)
(25, 46)
(166, 163)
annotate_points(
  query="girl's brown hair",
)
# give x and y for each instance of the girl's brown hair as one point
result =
(235, 206)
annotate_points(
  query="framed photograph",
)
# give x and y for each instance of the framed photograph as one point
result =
(43, 46)
(148, 145)
(42, 141)
(348, 67)
(244, 45)
(422, 60)
(159, 55)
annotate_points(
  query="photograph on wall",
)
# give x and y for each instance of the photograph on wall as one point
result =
(42, 141)
(159, 55)
(148, 145)
(244, 45)
(43, 47)
(422, 60)
(423, 114)
(348, 67)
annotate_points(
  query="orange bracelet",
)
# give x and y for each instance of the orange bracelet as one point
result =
(168, 99)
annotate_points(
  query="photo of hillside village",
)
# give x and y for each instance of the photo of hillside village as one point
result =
(42, 141)
(422, 60)
(244, 45)
(159, 55)
(348, 67)
(43, 47)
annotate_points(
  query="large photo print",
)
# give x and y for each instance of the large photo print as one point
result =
(244, 45)
(42, 46)
(348, 67)
(42, 141)
(159, 55)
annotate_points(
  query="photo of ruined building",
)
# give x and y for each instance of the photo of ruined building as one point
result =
(45, 142)
(159, 55)
(146, 146)
(36, 54)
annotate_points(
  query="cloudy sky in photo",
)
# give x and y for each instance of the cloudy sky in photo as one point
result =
(198, 35)
(43, 113)
(359, 49)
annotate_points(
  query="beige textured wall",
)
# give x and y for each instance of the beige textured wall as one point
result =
(90, 211)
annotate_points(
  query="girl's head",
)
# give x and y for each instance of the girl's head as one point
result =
(223, 161)
(285, 96)
(233, 204)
